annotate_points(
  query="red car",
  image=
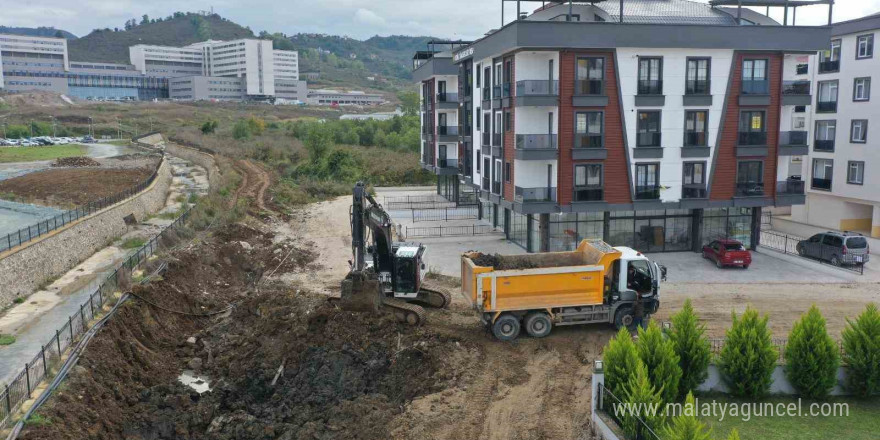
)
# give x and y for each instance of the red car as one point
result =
(727, 253)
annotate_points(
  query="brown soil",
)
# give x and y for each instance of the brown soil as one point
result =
(254, 182)
(69, 187)
(501, 262)
(76, 161)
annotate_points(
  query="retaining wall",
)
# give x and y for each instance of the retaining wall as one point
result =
(202, 159)
(27, 267)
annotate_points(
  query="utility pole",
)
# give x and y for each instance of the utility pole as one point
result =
(31, 125)
(53, 126)
(90, 126)
(118, 129)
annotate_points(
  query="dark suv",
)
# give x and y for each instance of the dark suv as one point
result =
(836, 248)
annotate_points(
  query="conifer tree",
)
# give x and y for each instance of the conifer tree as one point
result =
(658, 354)
(861, 352)
(646, 417)
(620, 358)
(811, 356)
(687, 426)
(692, 347)
(749, 357)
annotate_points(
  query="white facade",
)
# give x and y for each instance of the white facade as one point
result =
(166, 60)
(331, 97)
(27, 46)
(286, 64)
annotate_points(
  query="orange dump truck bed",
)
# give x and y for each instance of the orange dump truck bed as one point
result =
(539, 281)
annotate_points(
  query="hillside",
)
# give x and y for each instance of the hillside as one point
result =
(37, 32)
(111, 46)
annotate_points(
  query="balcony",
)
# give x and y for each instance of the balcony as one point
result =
(536, 146)
(796, 93)
(829, 66)
(750, 189)
(648, 139)
(496, 139)
(821, 184)
(649, 192)
(695, 139)
(447, 166)
(650, 93)
(755, 87)
(537, 93)
(447, 100)
(535, 195)
(496, 188)
(589, 146)
(790, 192)
(823, 145)
(589, 93)
(793, 143)
(826, 107)
(486, 184)
(648, 146)
(487, 139)
(505, 90)
(588, 194)
(693, 191)
(752, 143)
(487, 94)
(697, 92)
(447, 133)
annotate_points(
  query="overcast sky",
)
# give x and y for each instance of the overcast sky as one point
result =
(356, 18)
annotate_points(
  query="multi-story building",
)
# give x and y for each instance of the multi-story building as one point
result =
(648, 123)
(337, 97)
(21, 54)
(844, 125)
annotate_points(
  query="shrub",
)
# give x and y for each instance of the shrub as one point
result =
(658, 354)
(861, 352)
(734, 435)
(811, 356)
(748, 357)
(620, 358)
(693, 349)
(640, 391)
(6, 339)
(209, 127)
(687, 426)
(241, 130)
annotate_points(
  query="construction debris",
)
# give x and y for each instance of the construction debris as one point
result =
(76, 162)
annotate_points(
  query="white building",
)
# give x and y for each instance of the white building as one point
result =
(337, 97)
(24, 53)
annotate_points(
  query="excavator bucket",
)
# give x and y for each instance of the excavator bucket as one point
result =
(360, 294)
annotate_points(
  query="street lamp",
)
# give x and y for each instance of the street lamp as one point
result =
(54, 133)
(90, 127)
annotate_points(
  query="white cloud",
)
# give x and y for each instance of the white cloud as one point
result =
(368, 17)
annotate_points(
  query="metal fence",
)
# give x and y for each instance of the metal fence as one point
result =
(50, 355)
(34, 231)
(788, 244)
(717, 345)
(608, 401)
(403, 206)
(448, 231)
(445, 214)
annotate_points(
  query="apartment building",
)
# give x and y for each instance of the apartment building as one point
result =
(654, 124)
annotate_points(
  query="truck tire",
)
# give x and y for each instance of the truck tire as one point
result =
(506, 328)
(538, 324)
(624, 318)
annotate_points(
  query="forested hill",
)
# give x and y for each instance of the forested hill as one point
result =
(37, 32)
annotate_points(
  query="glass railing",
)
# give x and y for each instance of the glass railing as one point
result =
(790, 187)
(496, 139)
(447, 97)
(496, 187)
(823, 145)
(697, 87)
(505, 90)
(755, 87)
(822, 184)
(589, 87)
(588, 194)
(487, 138)
(793, 138)
(536, 141)
(826, 106)
(648, 139)
(583, 140)
(447, 130)
(796, 87)
(693, 192)
(485, 184)
(749, 189)
(695, 139)
(544, 194)
(649, 192)
(486, 94)
(650, 87)
(829, 66)
(496, 92)
(447, 163)
(537, 87)
(752, 138)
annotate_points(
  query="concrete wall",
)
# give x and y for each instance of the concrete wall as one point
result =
(24, 269)
(204, 160)
(780, 385)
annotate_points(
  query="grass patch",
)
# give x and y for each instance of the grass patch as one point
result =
(19, 300)
(6, 339)
(38, 420)
(32, 154)
(133, 243)
(5, 195)
(861, 423)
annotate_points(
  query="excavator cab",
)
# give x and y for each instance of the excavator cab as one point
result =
(409, 269)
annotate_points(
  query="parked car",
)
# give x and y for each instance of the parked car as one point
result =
(836, 248)
(728, 253)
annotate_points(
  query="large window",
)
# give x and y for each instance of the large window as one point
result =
(829, 59)
(862, 89)
(825, 134)
(651, 231)
(590, 76)
(697, 79)
(589, 130)
(823, 171)
(750, 178)
(858, 133)
(754, 81)
(855, 173)
(865, 46)
(752, 128)
(694, 180)
(695, 128)
(827, 98)
(568, 229)
(588, 183)
(650, 76)
(648, 129)
(733, 223)
(647, 181)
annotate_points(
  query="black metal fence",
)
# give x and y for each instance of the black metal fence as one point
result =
(445, 214)
(405, 206)
(717, 345)
(448, 231)
(615, 408)
(50, 355)
(788, 244)
(44, 227)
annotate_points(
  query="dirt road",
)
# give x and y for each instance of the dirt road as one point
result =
(255, 181)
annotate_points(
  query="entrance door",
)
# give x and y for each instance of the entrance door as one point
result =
(650, 234)
(441, 124)
(441, 91)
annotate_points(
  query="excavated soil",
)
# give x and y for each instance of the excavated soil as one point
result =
(502, 262)
(76, 162)
(68, 187)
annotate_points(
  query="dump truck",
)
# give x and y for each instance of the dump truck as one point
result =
(595, 283)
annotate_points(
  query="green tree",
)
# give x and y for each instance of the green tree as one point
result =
(811, 356)
(694, 352)
(687, 426)
(734, 435)
(145, 19)
(749, 356)
(209, 127)
(658, 354)
(241, 130)
(17, 131)
(409, 102)
(640, 391)
(256, 125)
(861, 352)
(318, 141)
(620, 357)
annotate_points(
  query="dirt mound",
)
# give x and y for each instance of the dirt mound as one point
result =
(501, 262)
(69, 187)
(76, 161)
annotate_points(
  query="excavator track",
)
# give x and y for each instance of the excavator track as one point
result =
(433, 296)
(411, 314)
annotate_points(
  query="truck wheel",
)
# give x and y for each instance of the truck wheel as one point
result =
(624, 318)
(538, 324)
(506, 328)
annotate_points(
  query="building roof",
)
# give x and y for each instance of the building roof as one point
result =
(667, 12)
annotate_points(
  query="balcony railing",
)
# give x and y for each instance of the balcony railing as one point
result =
(486, 93)
(447, 130)
(485, 183)
(447, 97)
(447, 163)
(589, 87)
(496, 139)
(823, 145)
(526, 195)
(487, 138)
(748, 138)
(584, 140)
(695, 139)
(649, 192)
(496, 187)
(650, 87)
(750, 189)
(589, 194)
(537, 87)
(755, 87)
(496, 92)
(790, 187)
(505, 90)
(697, 87)
(793, 138)
(826, 106)
(693, 192)
(823, 184)
(536, 141)
(428, 159)
(829, 66)
(648, 139)
(796, 87)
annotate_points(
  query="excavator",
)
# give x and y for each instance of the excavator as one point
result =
(393, 278)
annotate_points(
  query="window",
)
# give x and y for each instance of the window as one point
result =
(822, 174)
(827, 99)
(859, 131)
(695, 128)
(752, 130)
(800, 109)
(590, 78)
(750, 178)
(650, 76)
(507, 172)
(862, 89)
(507, 122)
(647, 181)
(697, 79)
(855, 173)
(588, 183)
(754, 80)
(694, 180)
(478, 119)
(865, 46)
(478, 75)
(829, 60)
(588, 130)
(826, 131)
(648, 134)
(802, 69)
